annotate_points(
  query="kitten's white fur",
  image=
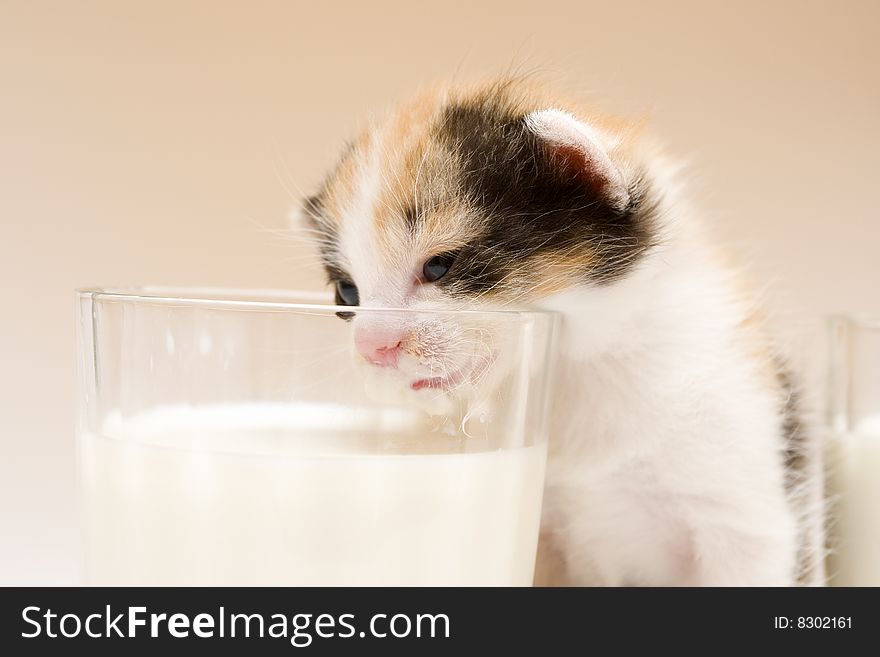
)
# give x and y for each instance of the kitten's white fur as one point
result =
(666, 450)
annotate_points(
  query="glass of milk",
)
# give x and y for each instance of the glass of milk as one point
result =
(230, 438)
(853, 452)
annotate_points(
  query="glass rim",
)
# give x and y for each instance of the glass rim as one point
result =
(277, 299)
(858, 320)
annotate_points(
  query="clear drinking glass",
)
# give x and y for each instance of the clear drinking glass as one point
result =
(227, 439)
(853, 452)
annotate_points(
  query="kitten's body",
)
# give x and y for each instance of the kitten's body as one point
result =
(673, 443)
(671, 470)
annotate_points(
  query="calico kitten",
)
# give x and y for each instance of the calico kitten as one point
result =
(676, 456)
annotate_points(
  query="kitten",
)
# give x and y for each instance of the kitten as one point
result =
(676, 453)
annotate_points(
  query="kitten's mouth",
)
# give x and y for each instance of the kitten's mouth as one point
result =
(435, 383)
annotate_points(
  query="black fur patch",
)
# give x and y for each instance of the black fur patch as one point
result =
(797, 457)
(312, 207)
(328, 238)
(533, 206)
(792, 429)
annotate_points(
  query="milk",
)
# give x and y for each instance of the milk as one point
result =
(853, 463)
(276, 494)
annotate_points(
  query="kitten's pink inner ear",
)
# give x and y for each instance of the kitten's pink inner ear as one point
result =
(579, 147)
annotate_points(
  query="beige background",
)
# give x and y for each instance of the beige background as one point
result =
(160, 142)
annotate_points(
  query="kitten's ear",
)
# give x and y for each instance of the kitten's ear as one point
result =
(579, 148)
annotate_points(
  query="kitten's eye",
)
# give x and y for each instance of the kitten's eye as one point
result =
(435, 268)
(347, 294)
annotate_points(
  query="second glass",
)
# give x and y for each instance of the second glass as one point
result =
(853, 452)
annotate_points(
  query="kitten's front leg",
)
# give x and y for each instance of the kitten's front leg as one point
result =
(730, 558)
(550, 562)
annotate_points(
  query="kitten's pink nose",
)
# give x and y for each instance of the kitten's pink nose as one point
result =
(379, 345)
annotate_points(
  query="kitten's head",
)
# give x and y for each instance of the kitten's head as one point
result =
(473, 199)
